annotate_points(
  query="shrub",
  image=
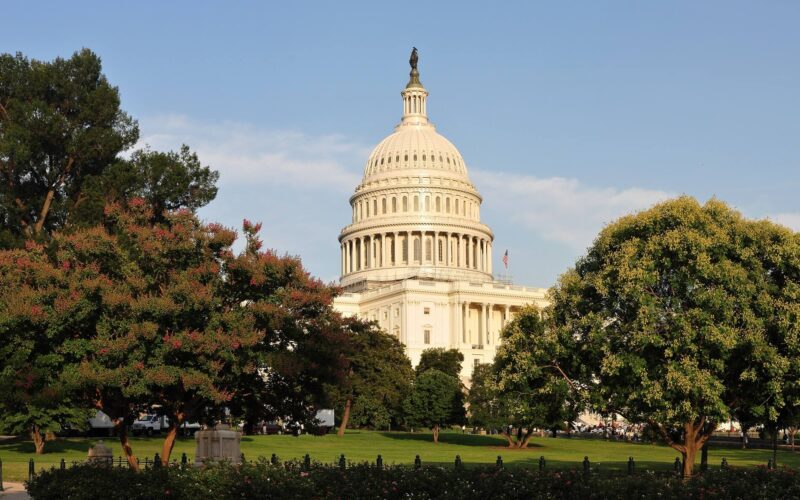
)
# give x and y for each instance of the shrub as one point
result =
(290, 480)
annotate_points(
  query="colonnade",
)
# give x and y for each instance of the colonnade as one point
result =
(412, 248)
(484, 336)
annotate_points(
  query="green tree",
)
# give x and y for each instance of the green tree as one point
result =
(167, 181)
(486, 408)
(668, 313)
(377, 379)
(431, 401)
(60, 123)
(445, 360)
(529, 374)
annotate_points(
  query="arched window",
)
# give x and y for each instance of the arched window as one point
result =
(416, 203)
(383, 205)
(428, 249)
(374, 206)
(415, 157)
(427, 203)
(447, 205)
(423, 157)
(394, 205)
(438, 204)
(417, 249)
(367, 211)
(457, 206)
(406, 158)
(405, 249)
(389, 160)
(405, 203)
(397, 158)
(381, 161)
(441, 250)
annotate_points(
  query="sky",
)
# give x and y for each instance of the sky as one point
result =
(568, 114)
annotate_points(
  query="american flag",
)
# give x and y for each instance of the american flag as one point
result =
(505, 259)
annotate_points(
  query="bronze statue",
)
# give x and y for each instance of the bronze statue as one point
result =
(414, 58)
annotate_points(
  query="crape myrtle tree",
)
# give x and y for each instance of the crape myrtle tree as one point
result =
(41, 311)
(376, 381)
(165, 314)
(671, 313)
(529, 376)
(432, 402)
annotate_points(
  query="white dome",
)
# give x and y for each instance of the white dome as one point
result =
(415, 212)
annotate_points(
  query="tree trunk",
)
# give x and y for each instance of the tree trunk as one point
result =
(744, 437)
(689, 456)
(704, 457)
(792, 432)
(436, 434)
(524, 442)
(345, 417)
(775, 448)
(511, 443)
(176, 421)
(48, 200)
(38, 439)
(122, 429)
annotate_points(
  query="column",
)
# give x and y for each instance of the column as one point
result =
(396, 241)
(349, 248)
(466, 251)
(341, 248)
(435, 248)
(489, 324)
(362, 253)
(491, 262)
(463, 322)
(482, 325)
(384, 237)
(447, 249)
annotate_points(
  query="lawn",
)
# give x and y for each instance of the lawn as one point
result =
(399, 448)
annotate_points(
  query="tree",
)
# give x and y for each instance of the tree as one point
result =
(60, 123)
(165, 314)
(377, 379)
(486, 409)
(431, 401)
(669, 312)
(530, 377)
(445, 360)
(38, 312)
(166, 181)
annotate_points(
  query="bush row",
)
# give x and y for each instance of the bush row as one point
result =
(291, 480)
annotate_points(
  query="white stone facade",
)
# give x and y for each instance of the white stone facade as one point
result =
(416, 257)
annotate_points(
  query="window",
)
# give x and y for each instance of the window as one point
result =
(394, 204)
(385, 315)
(416, 203)
(428, 249)
(397, 158)
(389, 160)
(383, 205)
(476, 362)
(405, 203)
(406, 157)
(427, 335)
(397, 313)
(427, 203)
(374, 207)
(405, 249)
(423, 157)
(415, 157)
(417, 249)
(441, 250)
(447, 205)
(381, 161)
(426, 310)
(438, 204)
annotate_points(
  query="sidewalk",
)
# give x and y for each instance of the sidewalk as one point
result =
(14, 491)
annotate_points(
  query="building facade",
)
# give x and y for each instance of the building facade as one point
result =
(416, 257)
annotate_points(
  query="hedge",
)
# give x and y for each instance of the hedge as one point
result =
(292, 480)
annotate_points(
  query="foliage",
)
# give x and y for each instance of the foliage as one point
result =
(485, 408)
(167, 315)
(445, 360)
(432, 400)
(532, 389)
(166, 181)
(378, 377)
(672, 314)
(291, 480)
(60, 123)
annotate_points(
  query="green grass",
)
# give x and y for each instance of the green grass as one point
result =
(399, 448)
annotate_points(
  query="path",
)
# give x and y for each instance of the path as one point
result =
(14, 491)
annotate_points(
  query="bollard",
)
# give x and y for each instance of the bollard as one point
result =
(243, 460)
(724, 463)
(458, 461)
(541, 463)
(499, 462)
(770, 465)
(630, 466)
(307, 462)
(156, 461)
(63, 464)
(184, 459)
(342, 462)
(31, 469)
(677, 467)
(586, 466)
(417, 462)
(273, 459)
(1, 474)
(379, 462)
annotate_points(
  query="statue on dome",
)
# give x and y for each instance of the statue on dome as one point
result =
(414, 58)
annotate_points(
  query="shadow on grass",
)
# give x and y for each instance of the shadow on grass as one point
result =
(452, 438)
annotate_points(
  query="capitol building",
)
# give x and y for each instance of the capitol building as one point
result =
(416, 257)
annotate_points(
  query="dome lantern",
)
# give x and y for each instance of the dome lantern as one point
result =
(415, 108)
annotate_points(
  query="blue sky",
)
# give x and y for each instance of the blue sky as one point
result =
(568, 114)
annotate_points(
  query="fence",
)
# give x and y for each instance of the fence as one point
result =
(586, 464)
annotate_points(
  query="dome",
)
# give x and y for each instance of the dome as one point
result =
(415, 212)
